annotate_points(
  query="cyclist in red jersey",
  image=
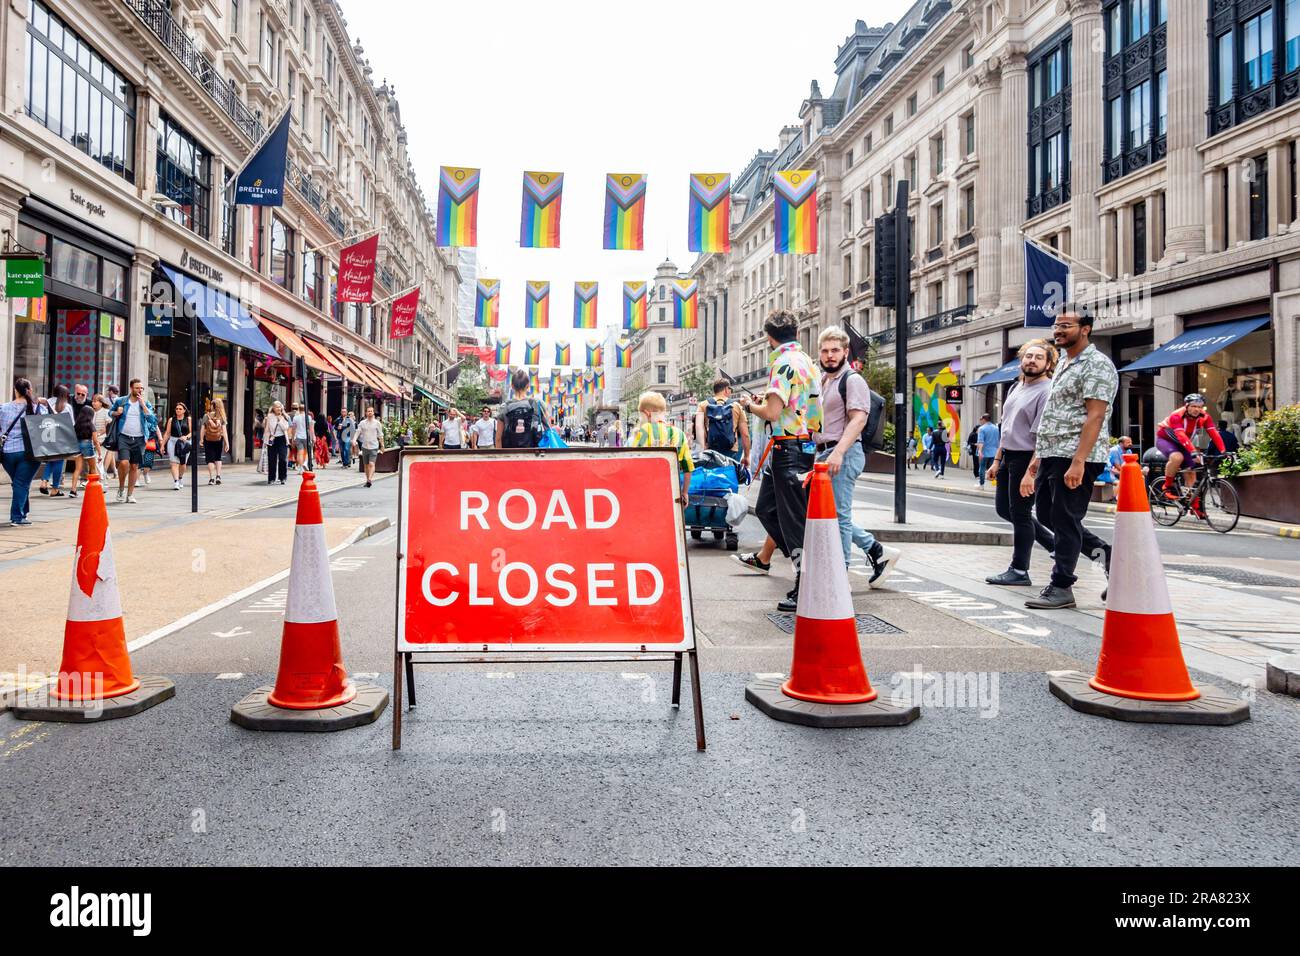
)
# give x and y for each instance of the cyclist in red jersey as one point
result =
(1174, 439)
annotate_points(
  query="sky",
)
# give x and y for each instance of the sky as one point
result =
(666, 89)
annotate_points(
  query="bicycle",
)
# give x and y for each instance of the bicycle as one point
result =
(1210, 498)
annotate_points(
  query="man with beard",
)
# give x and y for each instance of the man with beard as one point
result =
(1069, 454)
(846, 405)
(1021, 411)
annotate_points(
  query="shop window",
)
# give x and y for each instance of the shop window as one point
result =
(113, 282)
(74, 266)
(184, 176)
(76, 95)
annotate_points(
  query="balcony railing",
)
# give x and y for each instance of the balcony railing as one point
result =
(864, 285)
(386, 277)
(931, 323)
(306, 188)
(335, 221)
(154, 15)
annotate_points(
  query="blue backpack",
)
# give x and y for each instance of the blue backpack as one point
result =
(720, 433)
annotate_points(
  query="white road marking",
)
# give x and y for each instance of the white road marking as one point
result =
(231, 676)
(500, 675)
(1024, 631)
(770, 676)
(235, 631)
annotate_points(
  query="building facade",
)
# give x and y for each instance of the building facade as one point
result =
(123, 124)
(1152, 143)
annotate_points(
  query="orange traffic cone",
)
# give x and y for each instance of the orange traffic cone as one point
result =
(95, 662)
(828, 684)
(1140, 653)
(95, 680)
(311, 673)
(312, 690)
(827, 666)
(1141, 675)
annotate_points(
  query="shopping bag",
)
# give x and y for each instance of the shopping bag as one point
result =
(551, 439)
(49, 437)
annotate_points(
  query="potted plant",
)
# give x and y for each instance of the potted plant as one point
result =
(1266, 475)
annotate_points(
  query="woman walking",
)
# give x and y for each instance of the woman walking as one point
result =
(322, 445)
(216, 440)
(179, 443)
(275, 438)
(87, 442)
(17, 465)
(1021, 411)
(52, 480)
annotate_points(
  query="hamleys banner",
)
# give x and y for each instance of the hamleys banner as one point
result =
(357, 270)
(542, 551)
(403, 321)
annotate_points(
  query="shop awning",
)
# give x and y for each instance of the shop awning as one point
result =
(222, 315)
(1007, 373)
(295, 344)
(358, 371)
(323, 353)
(393, 386)
(1196, 345)
(429, 397)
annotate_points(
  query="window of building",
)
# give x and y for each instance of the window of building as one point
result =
(306, 33)
(1291, 35)
(936, 155)
(866, 141)
(887, 187)
(234, 17)
(311, 278)
(1049, 127)
(847, 207)
(864, 200)
(1139, 238)
(1259, 197)
(936, 297)
(889, 124)
(663, 315)
(848, 160)
(326, 132)
(663, 344)
(968, 284)
(282, 253)
(1226, 71)
(1139, 19)
(229, 219)
(910, 166)
(937, 83)
(1257, 51)
(911, 105)
(184, 176)
(661, 374)
(1249, 73)
(968, 133)
(847, 266)
(1162, 103)
(936, 225)
(329, 65)
(968, 209)
(268, 51)
(1139, 115)
(1115, 29)
(76, 95)
(968, 56)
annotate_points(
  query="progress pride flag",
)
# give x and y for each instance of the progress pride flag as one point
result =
(403, 322)
(357, 270)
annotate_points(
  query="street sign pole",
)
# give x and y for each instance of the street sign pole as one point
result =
(902, 292)
(194, 403)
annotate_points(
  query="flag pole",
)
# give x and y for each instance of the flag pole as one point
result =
(354, 237)
(1049, 250)
(392, 298)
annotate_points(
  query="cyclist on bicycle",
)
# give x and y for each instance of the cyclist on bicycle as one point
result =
(1174, 440)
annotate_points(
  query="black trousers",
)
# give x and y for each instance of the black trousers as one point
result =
(782, 506)
(277, 455)
(1063, 510)
(1018, 510)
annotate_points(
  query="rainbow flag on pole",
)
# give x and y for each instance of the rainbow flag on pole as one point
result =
(532, 351)
(457, 207)
(686, 306)
(708, 218)
(635, 314)
(595, 356)
(487, 304)
(539, 221)
(794, 211)
(537, 305)
(534, 381)
(584, 304)
(503, 350)
(557, 379)
(561, 358)
(622, 355)
(625, 211)
(600, 380)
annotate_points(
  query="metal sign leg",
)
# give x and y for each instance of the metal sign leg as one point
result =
(397, 700)
(677, 680)
(698, 700)
(410, 679)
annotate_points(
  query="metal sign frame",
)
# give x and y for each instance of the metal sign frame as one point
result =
(495, 652)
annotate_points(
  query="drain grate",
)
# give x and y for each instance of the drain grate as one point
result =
(867, 623)
(1235, 575)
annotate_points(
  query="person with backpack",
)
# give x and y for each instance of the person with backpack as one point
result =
(847, 428)
(521, 422)
(216, 440)
(939, 447)
(721, 426)
(17, 465)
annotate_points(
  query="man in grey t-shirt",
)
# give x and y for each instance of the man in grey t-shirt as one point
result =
(370, 441)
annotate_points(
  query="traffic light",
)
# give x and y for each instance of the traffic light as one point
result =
(886, 264)
(952, 394)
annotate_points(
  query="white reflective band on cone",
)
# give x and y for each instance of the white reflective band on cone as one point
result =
(1137, 575)
(104, 603)
(311, 592)
(824, 583)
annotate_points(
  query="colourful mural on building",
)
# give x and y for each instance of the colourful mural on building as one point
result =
(929, 410)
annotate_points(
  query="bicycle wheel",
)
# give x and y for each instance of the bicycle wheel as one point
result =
(1221, 506)
(1163, 511)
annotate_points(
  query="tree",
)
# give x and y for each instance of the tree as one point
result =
(471, 386)
(697, 381)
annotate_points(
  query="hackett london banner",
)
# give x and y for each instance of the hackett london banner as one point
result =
(261, 183)
(357, 270)
(403, 321)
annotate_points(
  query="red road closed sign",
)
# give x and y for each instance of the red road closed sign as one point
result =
(562, 551)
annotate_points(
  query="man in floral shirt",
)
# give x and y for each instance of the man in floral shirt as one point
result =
(792, 406)
(1070, 453)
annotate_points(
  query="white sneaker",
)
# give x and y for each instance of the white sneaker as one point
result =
(882, 565)
(130, 500)
(121, 495)
(147, 480)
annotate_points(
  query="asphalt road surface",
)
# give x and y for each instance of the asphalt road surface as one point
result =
(573, 764)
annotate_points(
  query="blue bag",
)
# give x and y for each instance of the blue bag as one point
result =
(551, 439)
